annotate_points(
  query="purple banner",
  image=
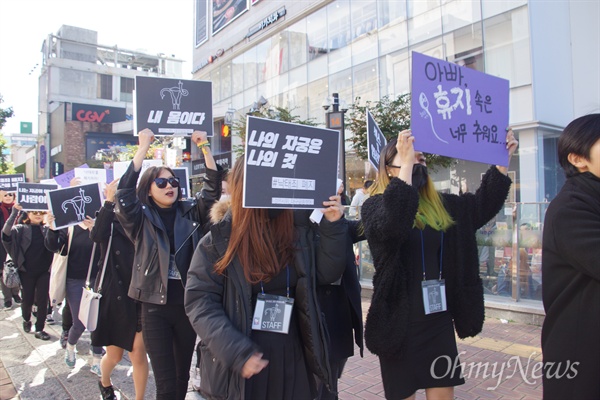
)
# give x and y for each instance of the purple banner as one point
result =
(64, 180)
(458, 112)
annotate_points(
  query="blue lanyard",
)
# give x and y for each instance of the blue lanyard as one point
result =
(423, 254)
(287, 270)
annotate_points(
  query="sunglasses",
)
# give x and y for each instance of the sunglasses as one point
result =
(161, 183)
(38, 212)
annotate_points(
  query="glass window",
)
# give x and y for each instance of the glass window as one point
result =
(225, 81)
(364, 48)
(459, 13)
(393, 37)
(262, 60)
(104, 87)
(465, 47)
(426, 21)
(492, 8)
(507, 53)
(364, 18)
(395, 74)
(317, 92)
(316, 30)
(215, 78)
(341, 83)
(366, 79)
(250, 68)
(340, 35)
(317, 69)
(297, 101)
(276, 85)
(127, 86)
(298, 76)
(237, 74)
(298, 43)
(391, 12)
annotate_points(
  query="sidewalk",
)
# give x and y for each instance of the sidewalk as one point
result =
(497, 365)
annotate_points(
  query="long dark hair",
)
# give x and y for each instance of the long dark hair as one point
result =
(143, 189)
(578, 138)
(263, 245)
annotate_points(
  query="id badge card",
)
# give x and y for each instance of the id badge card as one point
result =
(272, 313)
(434, 295)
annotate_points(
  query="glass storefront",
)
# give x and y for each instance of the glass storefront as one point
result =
(510, 252)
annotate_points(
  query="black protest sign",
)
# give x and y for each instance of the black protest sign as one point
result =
(184, 181)
(71, 205)
(375, 140)
(289, 165)
(32, 196)
(8, 183)
(172, 107)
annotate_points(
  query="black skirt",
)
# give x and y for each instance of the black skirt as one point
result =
(428, 360)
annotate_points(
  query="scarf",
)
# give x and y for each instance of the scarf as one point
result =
(6, 209)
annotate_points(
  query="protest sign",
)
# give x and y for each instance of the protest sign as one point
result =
(184, 181)
(64, 180)
(32, 196)
(458, 112)
(173, 106)
(71, 205)
(375, 140)
(8, 183)
(91, 175)
(289, 165)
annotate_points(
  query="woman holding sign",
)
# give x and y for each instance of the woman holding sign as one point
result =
(251, 298)
(25, 244)
(165, 231)
(427, 271)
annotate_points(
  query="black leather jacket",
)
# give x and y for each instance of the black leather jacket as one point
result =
(145, 229)
(219, 306)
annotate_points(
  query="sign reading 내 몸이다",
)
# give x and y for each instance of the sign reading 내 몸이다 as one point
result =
(173, 107)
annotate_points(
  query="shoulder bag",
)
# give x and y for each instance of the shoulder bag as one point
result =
(58, 273)
(90, 300)
(10, 275)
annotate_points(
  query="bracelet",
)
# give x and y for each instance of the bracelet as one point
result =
(203, 144)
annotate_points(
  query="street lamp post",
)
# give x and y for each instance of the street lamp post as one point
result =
(335, 120)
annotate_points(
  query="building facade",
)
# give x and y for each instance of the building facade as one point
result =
(86, 97)
(295, 54)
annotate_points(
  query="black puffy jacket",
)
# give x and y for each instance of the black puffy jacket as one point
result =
(219, 306)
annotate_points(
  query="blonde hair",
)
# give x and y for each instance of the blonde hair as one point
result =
(431, 209)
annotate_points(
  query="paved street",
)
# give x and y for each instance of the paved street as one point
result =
(34, 369)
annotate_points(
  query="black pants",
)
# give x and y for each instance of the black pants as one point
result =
(35, 289)
(67, 318)
(169, 339)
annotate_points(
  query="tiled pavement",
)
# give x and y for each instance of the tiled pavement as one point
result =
(33, 369)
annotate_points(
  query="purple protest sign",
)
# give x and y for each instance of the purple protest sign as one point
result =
(64, 180)
(458, 112)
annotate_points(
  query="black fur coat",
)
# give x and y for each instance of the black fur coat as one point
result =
(388, 219)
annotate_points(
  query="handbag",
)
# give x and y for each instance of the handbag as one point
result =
(90, 300)
(10, 275)
(57, 290)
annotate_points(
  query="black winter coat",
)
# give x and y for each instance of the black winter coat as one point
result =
(18, 241)
(342, 304)
(388, 220)
(144, 227)
(117, 315)
(219, 306)
(571, 291)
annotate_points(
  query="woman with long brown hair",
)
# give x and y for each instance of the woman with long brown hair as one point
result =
(251, 298)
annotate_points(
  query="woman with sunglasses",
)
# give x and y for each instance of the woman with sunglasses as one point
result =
(7, 200)
(165, 231)
(25, 244)
(426, 281)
